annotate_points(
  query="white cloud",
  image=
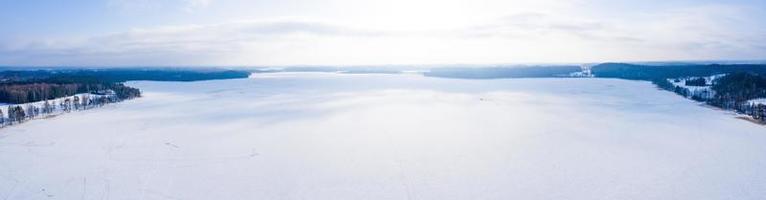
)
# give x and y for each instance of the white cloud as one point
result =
(185, 45)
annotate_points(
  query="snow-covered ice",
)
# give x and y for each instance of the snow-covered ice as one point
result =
(343, 136)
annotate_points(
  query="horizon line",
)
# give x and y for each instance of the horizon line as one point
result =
(747, 61)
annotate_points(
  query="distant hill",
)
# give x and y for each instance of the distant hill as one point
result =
(503, 72)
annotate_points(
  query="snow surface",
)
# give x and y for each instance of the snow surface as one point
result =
(343, 136)
(757, 101)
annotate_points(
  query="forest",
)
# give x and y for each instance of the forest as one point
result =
(654, 72)
(24, 86)
(733, 91)
(33, 92)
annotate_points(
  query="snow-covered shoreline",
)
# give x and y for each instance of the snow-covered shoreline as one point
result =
(50, 108)
(702, 92)
(759, 101)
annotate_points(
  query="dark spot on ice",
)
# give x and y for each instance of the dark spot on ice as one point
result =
(171, 145)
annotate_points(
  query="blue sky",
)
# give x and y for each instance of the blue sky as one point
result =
(349, 32)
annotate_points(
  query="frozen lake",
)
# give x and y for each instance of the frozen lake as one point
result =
(333, 136)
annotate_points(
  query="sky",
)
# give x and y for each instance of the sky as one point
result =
(354, 32)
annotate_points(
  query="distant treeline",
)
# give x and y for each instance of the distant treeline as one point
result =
(23, 86)
(503, 72)
(328, 69)
(662, 72)
(741, 83)
(447, 71)
(32, 92)
(116, 75)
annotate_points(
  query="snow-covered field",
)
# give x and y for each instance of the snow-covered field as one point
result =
(333, 136)
(704, 92)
